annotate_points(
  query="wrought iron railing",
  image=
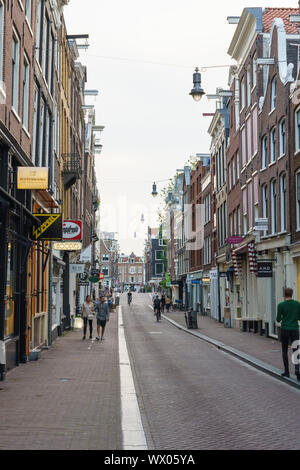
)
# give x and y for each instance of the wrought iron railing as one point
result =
(72, 163)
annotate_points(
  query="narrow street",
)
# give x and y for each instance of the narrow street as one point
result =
(190, 395)
(196, 397)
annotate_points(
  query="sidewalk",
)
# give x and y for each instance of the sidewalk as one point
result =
(264, 349)
(67, 400)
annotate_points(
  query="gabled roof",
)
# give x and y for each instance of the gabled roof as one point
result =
(270, 14)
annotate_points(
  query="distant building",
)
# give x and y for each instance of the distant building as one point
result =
(131, 272)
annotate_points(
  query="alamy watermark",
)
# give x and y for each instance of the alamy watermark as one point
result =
(296, 353)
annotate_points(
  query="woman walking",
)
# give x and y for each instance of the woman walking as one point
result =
(88, 314)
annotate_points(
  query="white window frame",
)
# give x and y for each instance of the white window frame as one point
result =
(264, 152)
(28, 10)
(273, 93)
(254, 71)
(158, 251)
(273, 207)
(273, 145)
(282, 137)
(15, 82)
(26, 82)
(243, 93)
(162, 270)
(265, 199)
(283, 202)
(248, 75)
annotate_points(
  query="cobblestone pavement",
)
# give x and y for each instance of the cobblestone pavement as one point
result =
(193, 396)
(262, 348)
(68, 400)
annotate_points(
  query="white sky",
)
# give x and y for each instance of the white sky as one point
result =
(152, 125)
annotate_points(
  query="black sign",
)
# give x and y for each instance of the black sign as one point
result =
(264, 269)
(83, 277)
(50, 228)
(83, 284)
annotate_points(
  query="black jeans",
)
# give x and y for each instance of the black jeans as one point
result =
(85, 322)
(288, 336)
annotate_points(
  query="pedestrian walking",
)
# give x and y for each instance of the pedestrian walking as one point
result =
(163, 302)
(288, 314)
(102, 312)
(88, 315)
(168, 303)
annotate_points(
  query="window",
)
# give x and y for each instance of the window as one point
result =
(233, 172)
(243, 91)
(15, 72)
(298, 199)
(273, 207)
(207, 250)
(282, 137)
(264, 152)
(248, 86)
(237, 166)
(26, 93)
(297, 130)
(273, 93)
(159, 255)
(244, 150)
(229, 177)
(1, 39)
(239, 221)
(283, 200)
(245, 211)
(105, 271)
(255, 130)
(254, 71)
(132, 270)
(265, 203)
(35, 124)
(105, 257)
(250, 204)
(273, 155)
(207, 209)
(28, 10)
(159, 269)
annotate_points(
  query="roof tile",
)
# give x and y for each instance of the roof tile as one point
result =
(271, 13)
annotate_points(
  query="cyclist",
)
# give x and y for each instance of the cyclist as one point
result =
(157, 308)
(129, 297)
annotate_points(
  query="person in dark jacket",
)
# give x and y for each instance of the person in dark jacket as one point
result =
(288, 314)
(102, 314)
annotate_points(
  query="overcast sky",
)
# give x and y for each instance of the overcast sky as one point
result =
(152, 125)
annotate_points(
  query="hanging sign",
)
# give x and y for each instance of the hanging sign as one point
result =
(234, 240)
(68, 246)
(265, 269)
(50, 228)
(29, 177)
(77, 268)
(72, 230)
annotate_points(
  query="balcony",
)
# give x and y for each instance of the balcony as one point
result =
(71, 169)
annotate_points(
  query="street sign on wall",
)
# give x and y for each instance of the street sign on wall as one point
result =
(77, 268)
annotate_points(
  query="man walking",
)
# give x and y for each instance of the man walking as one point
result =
(102, 313)
(288, 314)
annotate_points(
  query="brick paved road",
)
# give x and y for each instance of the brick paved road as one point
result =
(193, 396)
(68, 400)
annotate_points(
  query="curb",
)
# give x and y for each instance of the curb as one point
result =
(260, 365)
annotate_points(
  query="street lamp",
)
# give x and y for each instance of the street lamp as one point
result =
(154, 190)
(197, 92)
